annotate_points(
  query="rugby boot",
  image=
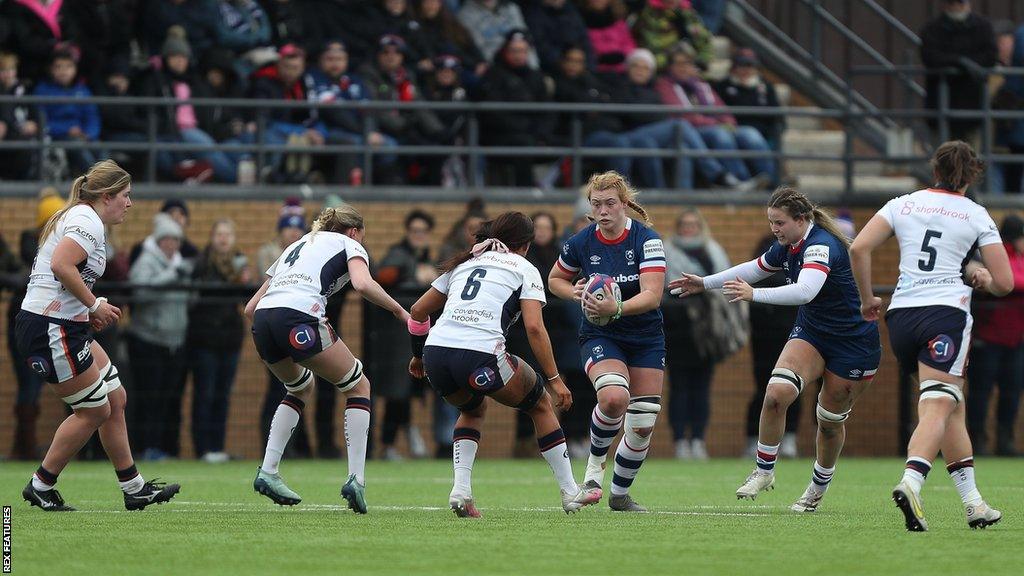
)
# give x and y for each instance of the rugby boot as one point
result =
(48, 500)
(756, 483)
(463, 506)
(909, 502)
(272, 486)
(152, 492)
(809, 501)
(353, 491)
(624, 503)
(982, 515)
(584, 496)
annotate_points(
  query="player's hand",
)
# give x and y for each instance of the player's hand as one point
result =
(606, 306)
(738, 290)
(686, 285)
(402, 315)
(872, 309)
(104, 316)
(560, 395)
(981, 278)
(416, 368)
(577, 289)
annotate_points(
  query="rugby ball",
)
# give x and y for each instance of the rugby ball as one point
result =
(596, 286)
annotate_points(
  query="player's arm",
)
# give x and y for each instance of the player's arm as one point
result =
(67, 255)
(877, 231)
(419, 323)
(540, 343)
(1000, 280)
(751, 272)
(806, 287)
(250, 306)
(363, 282)
(562, 272)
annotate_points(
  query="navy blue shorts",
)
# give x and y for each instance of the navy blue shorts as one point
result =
(281, 333)
(936, 336)
(634, 352)
(57, 350)
(479, 373)
(851, 357)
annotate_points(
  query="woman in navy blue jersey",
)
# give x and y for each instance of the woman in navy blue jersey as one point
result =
(625, 359)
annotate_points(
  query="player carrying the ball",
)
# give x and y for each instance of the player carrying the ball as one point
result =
(622, 345)
(829, 337)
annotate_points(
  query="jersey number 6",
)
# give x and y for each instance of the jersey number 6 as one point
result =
(473, 284)
(932, 253)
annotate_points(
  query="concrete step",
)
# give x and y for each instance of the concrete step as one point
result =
(894, 185)
(804, 122)
(833, 167)
(822, 142)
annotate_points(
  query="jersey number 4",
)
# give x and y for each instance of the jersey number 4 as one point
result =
(929, 264)
(473, 284)
(293, 255)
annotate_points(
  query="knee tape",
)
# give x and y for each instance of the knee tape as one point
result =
(641, 413)
(787, 376)
(533, 396)
(936, 389)
(111, 378)
(92, 396)
(610, 379)
(826, 416)
(350, 380)
(300, 383)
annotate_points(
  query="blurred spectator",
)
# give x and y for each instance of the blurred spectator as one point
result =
(441, 33)
(683, 87)
(178, 211)
(511, 79)
(746, 87)
(394, 17)
(103, 29)
(712, 13)
(156, 341)
(286, 21)
(489, 23)
(663, 24)
(769, 331)
(215, 330)
(288, 80)
(14, 273)
(958, 38)
(691, 366)
(555, 26)
(123, 123)
(1010, 133)
(609, 34)
(1000, 98)
(444, 86)
(200, 19)
(997, 352)
(224, 123)
(17, 121)
(35, 28)
(407, 271)
(245, 28)
(333, 83)
(174, 78)
(70, 121)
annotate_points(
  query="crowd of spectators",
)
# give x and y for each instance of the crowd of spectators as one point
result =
(337, 51)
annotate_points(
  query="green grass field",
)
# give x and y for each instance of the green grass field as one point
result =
(217, 525)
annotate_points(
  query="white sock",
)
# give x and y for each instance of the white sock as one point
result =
(821, 477)
(962, 473)
(357, 429)
(466, 442)
(130, 480)
(286, 418)
(916, 471)
(39, 485)
(554, 450)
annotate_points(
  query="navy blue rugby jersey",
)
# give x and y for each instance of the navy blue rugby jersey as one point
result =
(638, 249)
(836, 308)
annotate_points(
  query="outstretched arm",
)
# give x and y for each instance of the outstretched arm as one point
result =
(872, 236)
(363, 282)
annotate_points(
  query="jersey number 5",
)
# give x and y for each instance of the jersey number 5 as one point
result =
(293, 255)
(473, 284)
(929, 265)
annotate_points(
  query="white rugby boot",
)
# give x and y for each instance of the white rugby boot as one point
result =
(463, 505)
(909, 502)
(758, 481)
(584, 496)
(982, 515)
(810, 499)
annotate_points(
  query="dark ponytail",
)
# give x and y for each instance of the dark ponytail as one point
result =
(513, 229)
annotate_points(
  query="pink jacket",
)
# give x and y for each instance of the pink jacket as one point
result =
(696, 93)
(614, 39)
(1001, 320)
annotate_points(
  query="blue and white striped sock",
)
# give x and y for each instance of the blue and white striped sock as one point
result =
(821, 477)
(766, 456)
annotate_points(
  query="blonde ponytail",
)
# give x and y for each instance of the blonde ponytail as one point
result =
(104, 178)
(338, 219)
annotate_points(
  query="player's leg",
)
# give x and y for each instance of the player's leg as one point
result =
(645, 389)
(114, 436)
(298, 382)
(465, 442)
(604, 363)
(959, 456)
(799, 362)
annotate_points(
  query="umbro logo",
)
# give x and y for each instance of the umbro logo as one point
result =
(595, 259)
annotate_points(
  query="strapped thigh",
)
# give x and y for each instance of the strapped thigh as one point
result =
(302, 382)
(349, 381)
(787, 376)
(936, 389)
(92, 396)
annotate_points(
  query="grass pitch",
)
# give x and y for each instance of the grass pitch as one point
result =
(218, 525)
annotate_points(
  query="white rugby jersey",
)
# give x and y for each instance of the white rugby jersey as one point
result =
(483, 301)
(937, 231)
(309, 271)
(46, 295)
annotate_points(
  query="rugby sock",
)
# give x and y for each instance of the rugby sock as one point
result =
(357, 428)
(130, 480)
(603, 430)
(553, 449)
(916, 471)
(766, 456)
(286, 418)
(821, 477)
(465, 443)
(962, 473)
(628, 460)
(43, 480)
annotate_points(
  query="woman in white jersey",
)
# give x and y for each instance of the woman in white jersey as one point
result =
(54, 334)
(483, 291)
(929, 318)
(297, 344)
